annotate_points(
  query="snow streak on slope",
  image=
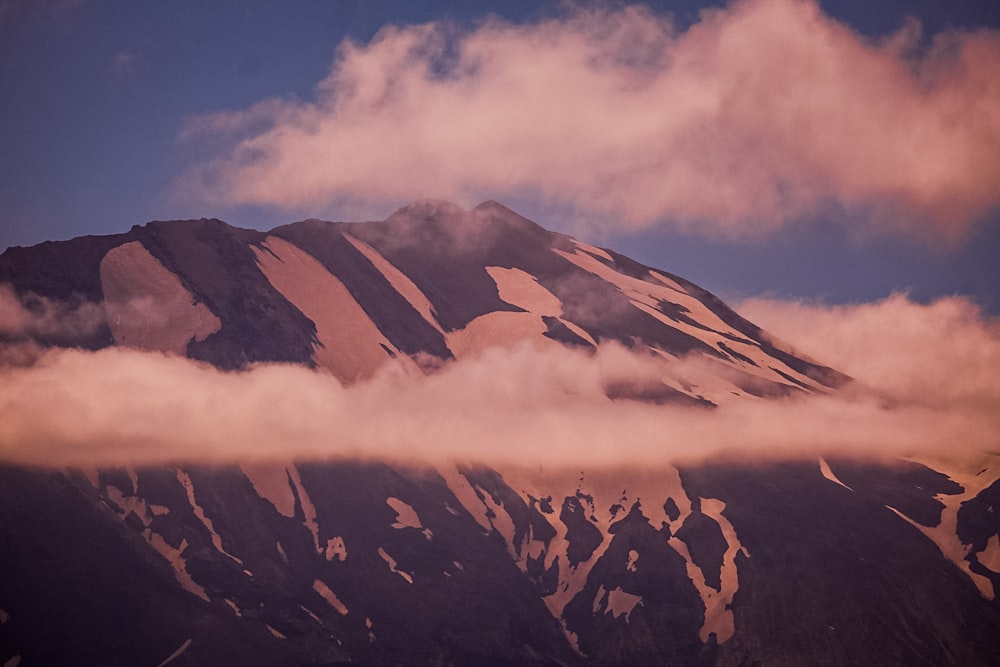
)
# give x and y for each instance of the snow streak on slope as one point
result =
(146, 305)
(330, 597)
(271, 482)
(127, 503)
(974, 476)
(399, 281)
(406, 517)
(391, 562)
(697, 321)
(350, 345)
(718, 614)
(599, 500)
(199, 512)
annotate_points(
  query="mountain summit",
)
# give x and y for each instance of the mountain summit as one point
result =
(795, 559)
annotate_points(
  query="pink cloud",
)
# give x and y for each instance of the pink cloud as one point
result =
(764, 113)
(929, 385)
(30, 316)
(945, 354)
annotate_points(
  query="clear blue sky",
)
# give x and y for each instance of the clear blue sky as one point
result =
(94, 96)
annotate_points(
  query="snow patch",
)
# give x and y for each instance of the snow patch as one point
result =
(335, 548)
(973, 476)
(719, 617)
(351, 346)
(173, 656)
(399, 281)
(647, 296)
(497, 329)
(128, 504)
(406, 517)
(633, 560)
(824, 468)
(271, 483)
(520, 288)
(616, 601)
(199, 512)
(177, 562)
(308, 509)
(331, 598)
(990, 556)
(313, 616)
(234, 607)
(147, 306)
(593, 250)
(501, 521)
(466, 495)
(391, 562)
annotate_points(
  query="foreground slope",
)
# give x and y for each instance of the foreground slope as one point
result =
(826, 560)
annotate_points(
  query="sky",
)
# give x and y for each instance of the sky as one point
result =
(837, 152)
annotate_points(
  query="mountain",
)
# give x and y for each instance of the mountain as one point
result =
(308, 561)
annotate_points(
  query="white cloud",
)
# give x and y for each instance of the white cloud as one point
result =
(763, 113)
(31, 316)
(931, 380)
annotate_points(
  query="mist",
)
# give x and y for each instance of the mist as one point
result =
(929, 386)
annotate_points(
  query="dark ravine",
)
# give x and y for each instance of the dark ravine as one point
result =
(811, 562)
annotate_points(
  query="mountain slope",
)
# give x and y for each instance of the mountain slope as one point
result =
(736, 561)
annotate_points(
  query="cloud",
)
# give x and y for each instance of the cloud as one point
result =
(929, 386)
(33, 317)
(764, 113)
(944, 354)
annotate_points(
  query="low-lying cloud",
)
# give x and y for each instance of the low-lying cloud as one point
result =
(763, 113)
(930, 386)
(28, 319)
(944, 354)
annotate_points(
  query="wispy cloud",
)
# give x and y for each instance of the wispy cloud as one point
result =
(30, 316)
(930, 385)
(764, 113)
(945, 354)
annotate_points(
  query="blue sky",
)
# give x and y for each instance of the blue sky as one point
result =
(110, 110)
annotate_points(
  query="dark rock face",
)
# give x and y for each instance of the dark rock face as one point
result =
(707, 545)
(905, 485)
(831, 570)
(978, 524)
(582, 535)
(663, 628)
(392, 313)
(366, 562)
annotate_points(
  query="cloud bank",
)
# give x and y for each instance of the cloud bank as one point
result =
(763, 113)
(931, 386)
